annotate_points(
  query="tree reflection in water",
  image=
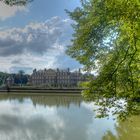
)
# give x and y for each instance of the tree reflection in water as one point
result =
(125, 130)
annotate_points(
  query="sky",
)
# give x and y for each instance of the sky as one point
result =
(36, 36)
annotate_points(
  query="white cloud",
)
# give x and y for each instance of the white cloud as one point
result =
(37, 45)
(8, 11)
(34, 38)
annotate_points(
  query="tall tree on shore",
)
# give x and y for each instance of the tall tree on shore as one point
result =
(21, 73)
(107, 37)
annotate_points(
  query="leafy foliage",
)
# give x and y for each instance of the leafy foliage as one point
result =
(107, 37)
(3, 77)
(16, 2)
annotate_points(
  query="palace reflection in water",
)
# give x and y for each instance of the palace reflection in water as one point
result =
(59, 118)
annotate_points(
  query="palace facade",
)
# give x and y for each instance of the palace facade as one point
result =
(56, 78)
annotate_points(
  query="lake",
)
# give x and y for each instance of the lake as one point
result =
(57, 117)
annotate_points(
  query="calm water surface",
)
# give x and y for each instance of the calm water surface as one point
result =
(59, 118)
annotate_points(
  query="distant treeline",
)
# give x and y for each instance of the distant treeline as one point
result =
(3, 77)
(18, 78)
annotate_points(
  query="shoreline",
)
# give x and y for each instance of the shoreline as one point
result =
(41, 91)
(39, 94)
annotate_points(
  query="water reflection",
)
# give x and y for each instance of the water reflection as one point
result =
(127, 130)
(53, 118)
(49, 100)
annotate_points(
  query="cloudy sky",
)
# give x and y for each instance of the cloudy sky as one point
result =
(36, 36)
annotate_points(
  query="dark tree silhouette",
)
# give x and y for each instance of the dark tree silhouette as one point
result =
(21, 73)
(16, 2)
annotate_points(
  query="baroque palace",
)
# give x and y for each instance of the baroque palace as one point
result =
(56, 78)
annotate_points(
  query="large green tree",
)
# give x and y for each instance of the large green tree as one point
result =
(107, 38)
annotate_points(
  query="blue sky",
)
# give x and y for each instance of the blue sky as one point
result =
(36, 36)
(40, 10)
